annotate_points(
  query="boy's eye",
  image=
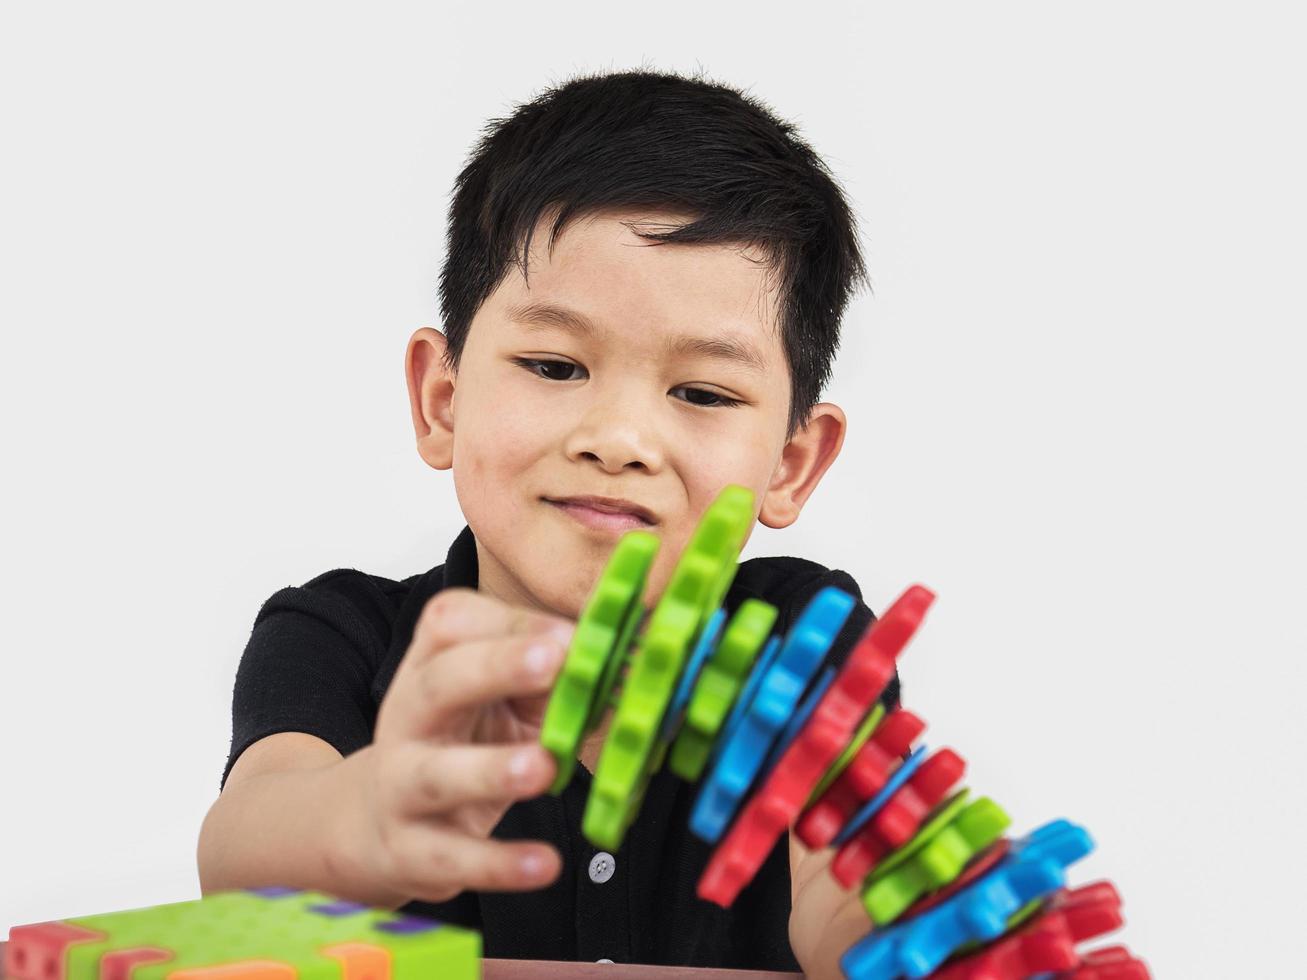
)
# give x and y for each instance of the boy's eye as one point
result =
(549, 370)
(707, 399)
(562, 371)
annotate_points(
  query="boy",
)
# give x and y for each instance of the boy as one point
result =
(641, 300)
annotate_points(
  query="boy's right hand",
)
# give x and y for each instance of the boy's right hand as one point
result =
(456, 743)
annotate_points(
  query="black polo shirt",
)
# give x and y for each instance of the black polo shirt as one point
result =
(319, 660)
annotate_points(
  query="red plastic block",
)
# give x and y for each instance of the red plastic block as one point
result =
(979, 865)
(787, 787)
(119, 964)
(865, 776)
(899, 818)
(1048, 942)
(40, 951)
(1108, 963)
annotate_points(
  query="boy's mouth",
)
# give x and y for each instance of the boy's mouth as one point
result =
(603, 513)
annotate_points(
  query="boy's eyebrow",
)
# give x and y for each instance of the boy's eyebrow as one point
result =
(540, 315)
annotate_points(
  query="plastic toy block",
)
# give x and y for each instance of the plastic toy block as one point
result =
(865, 776)
(258, 934)
(819, 730)
(801, 717)
(915, 789)
(865, 728)
(696, 588)
(1035, 867)
(599, 648)
(857, 857)
(977, 866)
(902, 815)
(719, 685)
(770, 651)
(736, 859)
(1107, 963)
(1047, 942)
(778, 695)
(703, 649)
(897, 779)
(910, 874)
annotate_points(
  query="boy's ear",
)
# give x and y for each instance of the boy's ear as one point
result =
(431, 397)
(804, 460)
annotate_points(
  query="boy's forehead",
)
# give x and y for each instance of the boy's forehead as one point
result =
(602, 270)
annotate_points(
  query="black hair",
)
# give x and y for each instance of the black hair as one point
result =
(659, 140)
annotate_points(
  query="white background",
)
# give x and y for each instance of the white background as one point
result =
(1075, 398)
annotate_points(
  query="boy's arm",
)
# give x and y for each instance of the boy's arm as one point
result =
(277, 821)
(825, 919)
(409, 815)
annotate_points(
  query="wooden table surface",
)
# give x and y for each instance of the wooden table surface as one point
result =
(549, 970)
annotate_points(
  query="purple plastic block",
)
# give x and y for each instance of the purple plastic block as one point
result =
(273, 891)
(339, 908)
(408, 925)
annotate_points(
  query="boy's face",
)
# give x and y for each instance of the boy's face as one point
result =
(635, 408)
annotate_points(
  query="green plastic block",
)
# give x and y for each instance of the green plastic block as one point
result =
(860, 737)
(933, 858)
(695, 590)
(291, 928)
(720, 684)
(598, 650)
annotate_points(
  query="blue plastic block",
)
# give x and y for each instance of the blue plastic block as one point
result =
(764, 663)
(800, 719)
(745, 748)
(707, 643)
(869, 809)
(1035, 867)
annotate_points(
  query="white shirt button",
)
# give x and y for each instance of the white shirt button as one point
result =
(602, 866)
(605, 960)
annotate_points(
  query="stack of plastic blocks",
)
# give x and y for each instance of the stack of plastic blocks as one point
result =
(778, 740)
(257, 934)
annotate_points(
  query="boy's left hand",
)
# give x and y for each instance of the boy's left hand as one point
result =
(825, 919)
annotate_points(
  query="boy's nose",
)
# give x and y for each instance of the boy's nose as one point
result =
(616, 438)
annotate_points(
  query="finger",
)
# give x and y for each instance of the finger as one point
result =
(427, 699)
(439, 778)
(458, 615)
(438, 863)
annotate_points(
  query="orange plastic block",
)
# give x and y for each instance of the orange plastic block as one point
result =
(245, 970)
(361, 961)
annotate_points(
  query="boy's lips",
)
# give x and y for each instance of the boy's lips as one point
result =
(604, 513)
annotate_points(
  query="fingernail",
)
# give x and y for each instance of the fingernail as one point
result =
(541, 658)
(533, 866)
(562, 632)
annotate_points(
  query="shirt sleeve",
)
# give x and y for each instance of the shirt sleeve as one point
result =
(308, 667)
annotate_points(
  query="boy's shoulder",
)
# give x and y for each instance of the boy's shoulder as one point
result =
(786, 581)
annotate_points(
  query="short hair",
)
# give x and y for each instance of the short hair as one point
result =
(657, 139)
